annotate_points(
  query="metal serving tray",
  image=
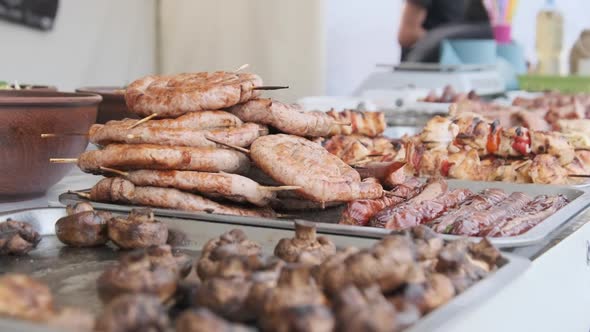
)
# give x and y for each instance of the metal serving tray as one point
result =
(326, 220)
(71, 272)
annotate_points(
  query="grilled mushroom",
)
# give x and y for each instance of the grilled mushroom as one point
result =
(140, 272)
(305, 247)
(203, 320)
(25, 298)
(83, 227)
(131, 313)
(139, 230)
(17, 238)
(305, 318)
(232, 243)
(364, 310)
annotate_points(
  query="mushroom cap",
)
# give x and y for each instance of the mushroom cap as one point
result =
(83, 229)
(133, 312)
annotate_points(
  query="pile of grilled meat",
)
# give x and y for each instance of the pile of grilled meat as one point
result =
(307, 285)
(193, 154)
(489, 213)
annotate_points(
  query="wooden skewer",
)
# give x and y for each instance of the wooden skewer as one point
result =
(146, 119)
(579, 175)
(242, 67)
(63, 134)
(271, 87)
(116, 171)
(387, 193)
(281, 188)
(63, 160)
(343, 123)
(83, 195)
(239, 148)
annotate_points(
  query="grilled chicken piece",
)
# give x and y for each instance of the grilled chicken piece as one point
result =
(232, 243)
(241, 136)
(17, 238)
(172, 96)
(149, 156)
(369, 124)
(305, 247)
(546, 169)
(133, 312)
(322, 176)
(203, 320)
(289, 119)
(118, 190)
(83, 227)
(364, 310)
(554, 144)
(355, 149)
(304, 318)
(23, 297)
(139, 230)
(233, 187)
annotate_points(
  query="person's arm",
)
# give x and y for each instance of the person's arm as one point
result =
(410, 29)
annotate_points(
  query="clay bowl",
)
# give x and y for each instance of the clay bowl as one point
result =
(25, 169)
(113, 106)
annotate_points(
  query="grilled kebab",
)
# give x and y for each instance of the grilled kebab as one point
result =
(118, 190)
(172, 96)
(323, 177)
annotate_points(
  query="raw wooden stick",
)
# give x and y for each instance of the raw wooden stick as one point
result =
(242, 67)
(146, 119)
(241, 149)
(63, 134)
(280, 188)
(579, 175)
(271, 87)
(116, 171)
(83, 195)
(63, 160)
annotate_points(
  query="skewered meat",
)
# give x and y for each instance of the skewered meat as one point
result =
(305, 318)
(295, 287)
(232, 243)
(546, 169)
(141, 272)
(241, 136)
(139, 230)
(290, 119)
(473, 224)
(539, 209)
(424, 212)
(431, 191)
(479, 202)
(23, 297)
(122, 191)
(449, 95)
(364, 310)
(305, 247)
(147, 156)
(203, 320)
(83, 227)
(17, 238)
(171, 96)
(217, 185)
(369, 124)
(554, 144)
(137, 312)
(195, 121)
(360, 212)
(322, 176)
(355, 149)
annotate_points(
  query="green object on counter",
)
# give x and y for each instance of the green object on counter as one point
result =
(567, 84)
(4, 85)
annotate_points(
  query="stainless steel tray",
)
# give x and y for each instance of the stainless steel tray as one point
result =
(71, 272)
(326, 220)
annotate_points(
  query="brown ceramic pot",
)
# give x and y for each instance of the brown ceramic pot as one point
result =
(113, 106)
(24, 156)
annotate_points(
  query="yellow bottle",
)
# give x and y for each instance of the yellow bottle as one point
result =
(549, 40)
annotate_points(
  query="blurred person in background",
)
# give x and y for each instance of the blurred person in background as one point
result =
(425, 23)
